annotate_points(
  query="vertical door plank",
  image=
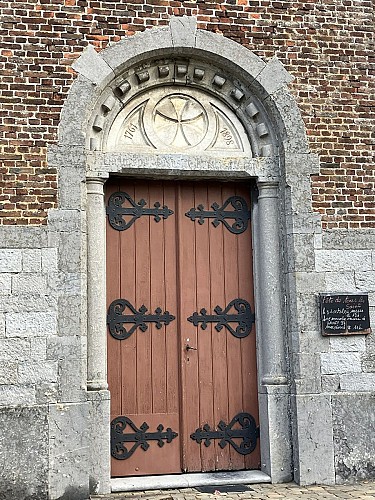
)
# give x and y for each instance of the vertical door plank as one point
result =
(234, 363)
(219, 339)
(189, 362)
(157, 336)
(128, 346)
(170, 271)
(248, 344)
(113, 293)
(204, 345)
(143, 339)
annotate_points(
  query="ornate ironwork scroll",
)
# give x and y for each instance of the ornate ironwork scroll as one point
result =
(139, 437)
(240, 214)
(139, 319)
(116, 211)
(244, 318)
(247, 431)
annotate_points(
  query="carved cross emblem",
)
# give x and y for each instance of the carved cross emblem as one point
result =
(180, 121)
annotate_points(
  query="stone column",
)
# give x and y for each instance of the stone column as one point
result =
(96, 286)
(276, 451)
(269, 283)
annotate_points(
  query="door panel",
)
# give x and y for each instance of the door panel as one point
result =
(143, 368)
(181, 376)
(219, 264)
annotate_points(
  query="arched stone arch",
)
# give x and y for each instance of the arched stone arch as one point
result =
(280, 162)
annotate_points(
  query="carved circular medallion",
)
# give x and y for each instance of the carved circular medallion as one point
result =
(180, 121)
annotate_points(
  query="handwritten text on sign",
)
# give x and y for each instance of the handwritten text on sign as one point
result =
(344, 314)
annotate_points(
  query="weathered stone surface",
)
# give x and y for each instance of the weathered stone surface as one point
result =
(49, 260)
(368, 362)
(5, 284)
(292, 126)
(38, 348)
(29, 282)
(336, 281)
(301, 256)
(70, 314)
(8, 372)
(308, 341)
(365, 281)
(33, 372)
(343, 260)
(306, 368)
(2, 325)
(69, 450)
(274, 76)
(249, 61)
(307, 282)
(66, 284)
(24, 453)
(330, 383)
(304, 314)
(358, 382)
(28, 303)
(13, 237)
(183, 31)
(275, 439)
(99, 440)
(92, 66)
(10, 260)
(151, 40)
(14, 349)
(70, 252)
(298, 199)
(348, 343)
(72, 380)
(314, 449)
(30, 324)
(71, 187)
(76, 111)
(46, 393)
(302, 222)
(31, 260)
(65, 220)
(265, 168)
(16, 395)
(354, 436)
(349, 239)
(65, 347)
(340, 362)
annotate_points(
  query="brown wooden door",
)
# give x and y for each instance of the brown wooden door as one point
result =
(185, 372)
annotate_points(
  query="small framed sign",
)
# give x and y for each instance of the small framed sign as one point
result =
(344, 314)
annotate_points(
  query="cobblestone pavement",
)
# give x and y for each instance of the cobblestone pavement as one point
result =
(289, 491)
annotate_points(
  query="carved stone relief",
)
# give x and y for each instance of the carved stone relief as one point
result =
(178, 119)
(180, 106)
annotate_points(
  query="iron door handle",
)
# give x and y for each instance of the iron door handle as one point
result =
(189, 348)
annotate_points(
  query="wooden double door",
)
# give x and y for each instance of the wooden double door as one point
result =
(181, 331)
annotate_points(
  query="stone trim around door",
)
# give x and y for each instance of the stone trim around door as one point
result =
(277, 210)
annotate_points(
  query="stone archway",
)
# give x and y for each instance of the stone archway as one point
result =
(256, 94)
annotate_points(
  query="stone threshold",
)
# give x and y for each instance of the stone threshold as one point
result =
(173, 481)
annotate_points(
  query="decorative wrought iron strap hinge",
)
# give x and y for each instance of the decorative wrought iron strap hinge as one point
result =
(248, 431)
(116, 319)
(139, 437)
(116, 211)
(244, 317)
(240, 214)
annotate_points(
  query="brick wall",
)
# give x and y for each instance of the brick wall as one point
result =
(325, 44)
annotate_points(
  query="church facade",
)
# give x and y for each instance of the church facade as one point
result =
(187, 244)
